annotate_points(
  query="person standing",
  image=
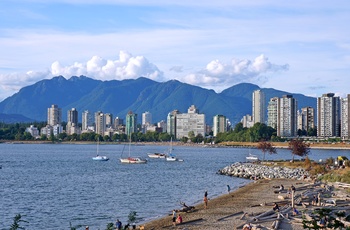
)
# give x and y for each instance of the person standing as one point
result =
(205, 199)
(206, 193)
(174, 217)
(228, 189)
(118, 224)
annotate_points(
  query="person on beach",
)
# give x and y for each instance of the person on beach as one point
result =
(205, 199)
(118, 224)
(295, 212)
(179, 219)
(228, 189)
(174, 217)
(281, 188)
(206, 193)
(276, 207)
(247, 226)
(87, 228)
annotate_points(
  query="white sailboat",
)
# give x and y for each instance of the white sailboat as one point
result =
(132, 160)
(170, 156)
(98, 157)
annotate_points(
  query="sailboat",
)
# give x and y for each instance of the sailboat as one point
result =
(170, 156)
(98, 157)
(132, 160)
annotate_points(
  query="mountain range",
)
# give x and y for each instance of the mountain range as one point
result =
(136, 95)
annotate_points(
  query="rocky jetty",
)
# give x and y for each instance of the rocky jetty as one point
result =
(258, 171)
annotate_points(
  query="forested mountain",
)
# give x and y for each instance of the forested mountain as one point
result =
(137, 95)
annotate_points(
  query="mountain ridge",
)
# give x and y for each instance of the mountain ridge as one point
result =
(138, 95)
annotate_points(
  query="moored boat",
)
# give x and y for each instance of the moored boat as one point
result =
(156, 155)
(100, 158)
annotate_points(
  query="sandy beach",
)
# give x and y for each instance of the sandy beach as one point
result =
(226, 211)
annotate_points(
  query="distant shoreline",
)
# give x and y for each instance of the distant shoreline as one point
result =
(281, 145)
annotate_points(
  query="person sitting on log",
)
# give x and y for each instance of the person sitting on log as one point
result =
(247, 227)
(276, 207)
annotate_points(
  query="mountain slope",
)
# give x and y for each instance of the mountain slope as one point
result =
(138, 95)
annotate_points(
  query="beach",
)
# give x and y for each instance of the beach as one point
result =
(226, 211)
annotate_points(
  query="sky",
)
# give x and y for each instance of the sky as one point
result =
(300, 46)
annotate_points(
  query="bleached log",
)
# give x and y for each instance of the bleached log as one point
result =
(265, 214)
(278, 222)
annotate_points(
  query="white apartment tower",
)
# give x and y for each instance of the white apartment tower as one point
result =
(54, 115)
(328, 116)
(287, 116)
(146, 118)
(219, 124)
(100, 123)
(258, 102)
(190, 121)
(272, 112)
(86, 120)
(109, 120)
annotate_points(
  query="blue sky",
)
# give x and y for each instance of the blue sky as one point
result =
(295, 46)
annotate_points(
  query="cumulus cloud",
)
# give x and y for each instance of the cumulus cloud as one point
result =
(125, 67)
(218, 74)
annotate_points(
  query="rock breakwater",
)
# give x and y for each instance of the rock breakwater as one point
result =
(258, 171)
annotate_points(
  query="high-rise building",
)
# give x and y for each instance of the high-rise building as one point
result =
(171, 123)
(162, 124)
(272, 112)
(258, 106)
(72, 122)
(219, 124)
(328, 116)
(146, 118)
(344, 104)
(190, 121)
(287, 116)
(54, 115)
(86, 120)
(118, 121)
(247, 121)
(100, 123)
(109, 120)
(306, 118)
(131, 123)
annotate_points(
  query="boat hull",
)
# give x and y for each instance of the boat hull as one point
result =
(100, 158)
(133, 160)
(156, 155)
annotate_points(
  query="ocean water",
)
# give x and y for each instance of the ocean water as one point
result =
(55, 185)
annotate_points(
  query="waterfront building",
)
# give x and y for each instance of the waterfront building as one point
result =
(328, 116)
(72, 122)
(344, 133)
(171, 123)
(162, 124)
(33, 131)
(306, 118)
(146, 118)
(86, 123)
(118, 121)
(247, 121)
(219, 124)
(272, 112)
(131, 123)
(190, 121)
(54, 115)
(109, 120)
(100, 123)
(258, 109)
(287, 116)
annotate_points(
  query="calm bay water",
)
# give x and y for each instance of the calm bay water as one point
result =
(52, 186)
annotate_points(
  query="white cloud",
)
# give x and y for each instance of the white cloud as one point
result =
(220, 75)
(126, 67)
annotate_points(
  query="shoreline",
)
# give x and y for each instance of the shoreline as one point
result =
(279, 145)
(226, 211)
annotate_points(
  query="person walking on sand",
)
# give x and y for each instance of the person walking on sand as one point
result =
(205, 199)
(228, 189)
(206, 193)
(118, 224)
(174, 217)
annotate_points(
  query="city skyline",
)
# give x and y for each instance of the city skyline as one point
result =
(300, 47)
